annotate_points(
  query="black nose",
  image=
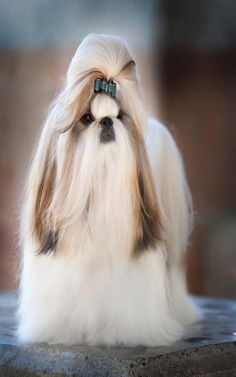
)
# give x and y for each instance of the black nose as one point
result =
(107, 130)
(106, 122)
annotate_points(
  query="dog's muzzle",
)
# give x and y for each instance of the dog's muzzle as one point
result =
(107, 130)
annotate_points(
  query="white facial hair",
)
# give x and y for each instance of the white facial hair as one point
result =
(99, 197)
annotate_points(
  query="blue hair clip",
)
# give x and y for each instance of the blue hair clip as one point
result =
(101, 85)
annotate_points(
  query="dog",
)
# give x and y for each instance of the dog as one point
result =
(107, 214)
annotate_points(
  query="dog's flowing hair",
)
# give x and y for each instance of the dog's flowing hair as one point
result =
(92, 195)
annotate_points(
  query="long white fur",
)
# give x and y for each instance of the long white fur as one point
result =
(91, 291)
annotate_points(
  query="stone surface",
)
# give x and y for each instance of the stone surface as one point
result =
(208, 349)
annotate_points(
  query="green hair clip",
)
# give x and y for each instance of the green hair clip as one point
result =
(102, 85)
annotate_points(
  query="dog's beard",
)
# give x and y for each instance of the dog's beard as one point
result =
(110, 201)
(96, 194)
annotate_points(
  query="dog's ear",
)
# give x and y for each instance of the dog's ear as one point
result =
(36, 217)
(43, 197)
(147, 214)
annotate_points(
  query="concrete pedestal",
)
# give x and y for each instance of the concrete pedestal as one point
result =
(208, 349)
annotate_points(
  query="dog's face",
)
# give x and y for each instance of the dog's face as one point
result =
(94, 167)
(106, 114)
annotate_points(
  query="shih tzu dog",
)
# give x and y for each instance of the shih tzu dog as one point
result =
(107, 214)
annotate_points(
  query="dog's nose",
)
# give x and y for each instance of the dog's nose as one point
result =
(107, 130)
(106, 122)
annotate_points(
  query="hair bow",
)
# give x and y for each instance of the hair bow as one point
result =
(102, 85)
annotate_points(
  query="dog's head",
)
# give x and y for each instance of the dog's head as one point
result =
(92, 152)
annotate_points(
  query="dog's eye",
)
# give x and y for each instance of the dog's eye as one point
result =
(120, 115)
(87, 118)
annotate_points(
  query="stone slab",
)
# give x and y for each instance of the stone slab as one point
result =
(208, 349)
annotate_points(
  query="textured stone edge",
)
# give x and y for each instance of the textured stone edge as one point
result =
(201, 361)
(50, 361)
(39, 361)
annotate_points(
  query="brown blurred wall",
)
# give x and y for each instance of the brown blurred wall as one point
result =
(198, 93)
(194, 95)
(198, 104)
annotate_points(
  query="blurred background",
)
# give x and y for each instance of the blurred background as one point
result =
(185, 51)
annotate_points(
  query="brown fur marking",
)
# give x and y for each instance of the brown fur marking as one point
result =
(147, 223)
(43, 198)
